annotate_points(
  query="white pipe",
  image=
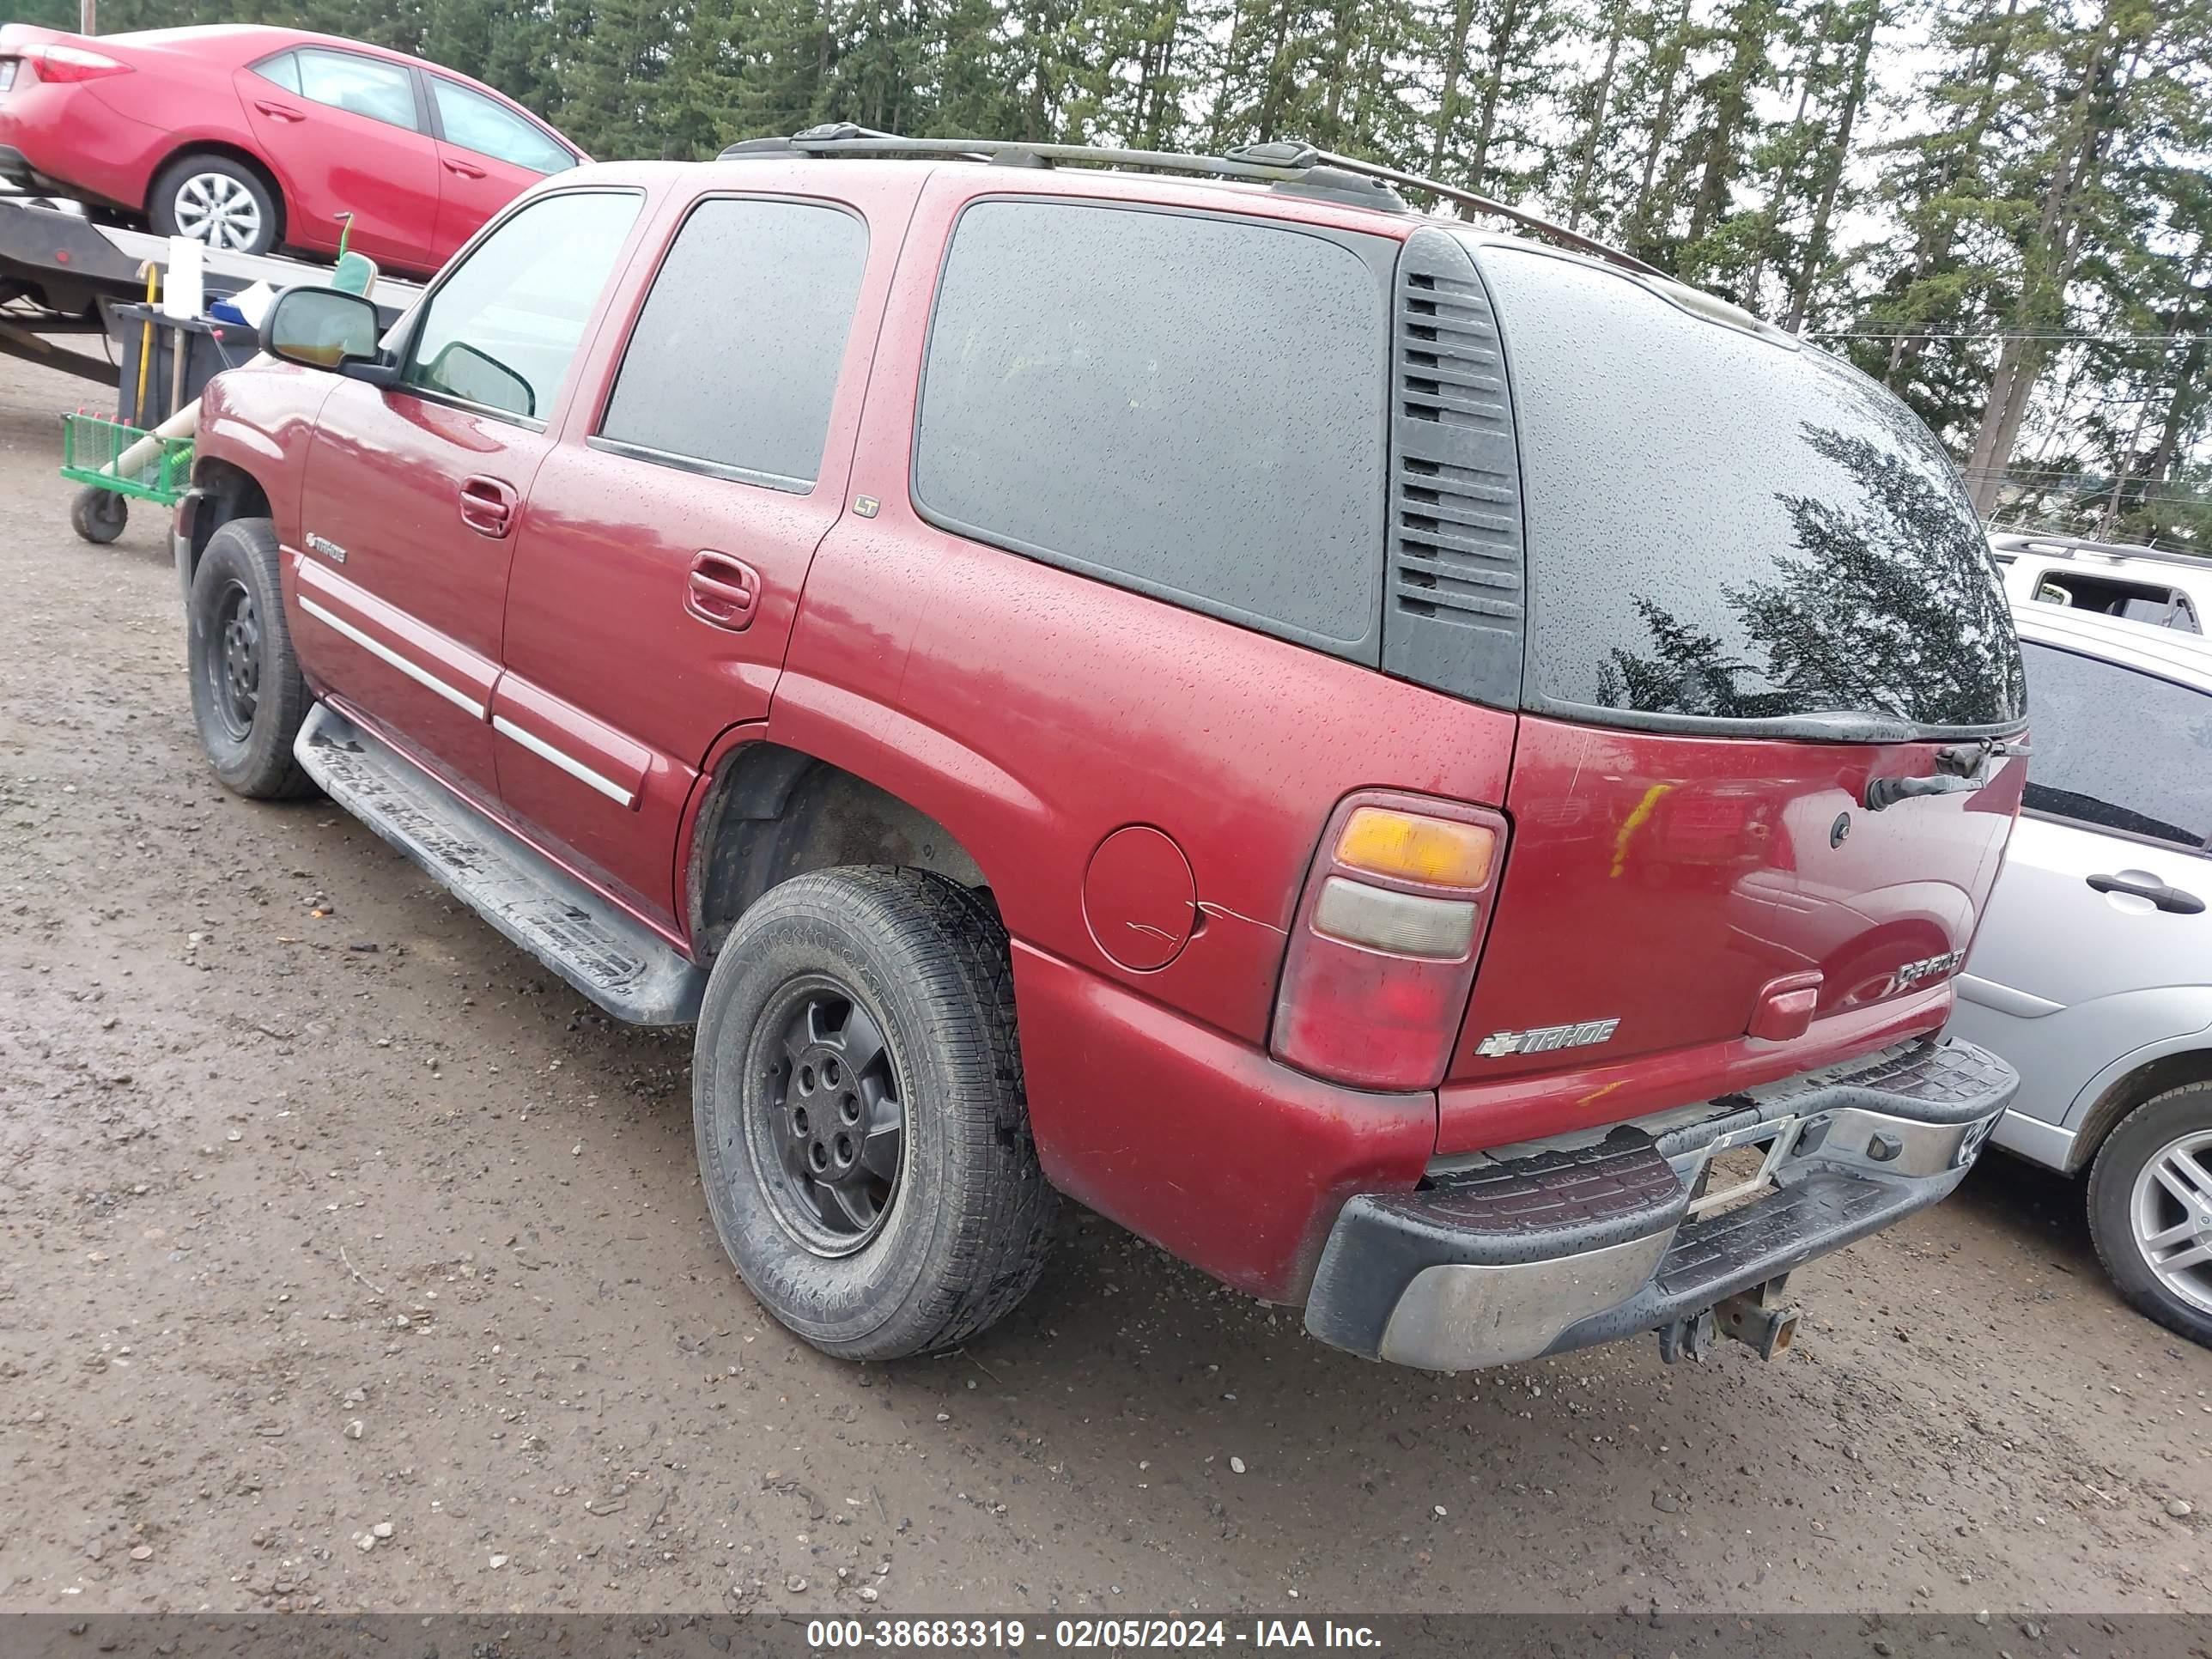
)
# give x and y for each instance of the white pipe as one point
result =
(182, 424)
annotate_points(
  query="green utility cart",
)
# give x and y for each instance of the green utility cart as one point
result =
(91, 446)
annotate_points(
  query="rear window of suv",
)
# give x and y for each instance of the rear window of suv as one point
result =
(1191, 406)
(1723, 529)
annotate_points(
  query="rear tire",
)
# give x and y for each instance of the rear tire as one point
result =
(857, 1099)
(248, 697)
(216, 200)
(2160, 1150)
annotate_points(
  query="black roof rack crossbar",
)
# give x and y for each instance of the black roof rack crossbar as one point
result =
(1280, 162)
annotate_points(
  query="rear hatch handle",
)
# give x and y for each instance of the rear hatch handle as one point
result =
(1959, 767)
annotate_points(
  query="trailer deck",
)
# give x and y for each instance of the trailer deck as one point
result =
(60, 272)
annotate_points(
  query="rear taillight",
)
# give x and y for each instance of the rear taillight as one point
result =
(1382, 955)
(60, 64)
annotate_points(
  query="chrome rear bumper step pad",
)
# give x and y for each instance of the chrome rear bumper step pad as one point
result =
(1563, 1247)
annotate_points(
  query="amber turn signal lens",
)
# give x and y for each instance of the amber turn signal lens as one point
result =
(1412, 847)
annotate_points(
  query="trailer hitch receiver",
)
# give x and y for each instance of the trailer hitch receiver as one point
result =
(1757, 1318)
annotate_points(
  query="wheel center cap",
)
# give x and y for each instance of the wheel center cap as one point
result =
(830, 1134)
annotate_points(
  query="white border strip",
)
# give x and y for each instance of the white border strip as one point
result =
(575, 768)
(384, 652)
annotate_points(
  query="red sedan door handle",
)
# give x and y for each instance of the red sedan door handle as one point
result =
(722, 591)
(464, 169)
(280, 112)
(488, 506)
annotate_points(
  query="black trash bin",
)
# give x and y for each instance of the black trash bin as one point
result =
(208, 347)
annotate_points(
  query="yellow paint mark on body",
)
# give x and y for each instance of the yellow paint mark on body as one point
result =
(1635, 821)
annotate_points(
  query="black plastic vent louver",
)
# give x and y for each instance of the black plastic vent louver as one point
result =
(1456, 603)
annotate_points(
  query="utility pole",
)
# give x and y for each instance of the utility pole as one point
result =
(87, 16)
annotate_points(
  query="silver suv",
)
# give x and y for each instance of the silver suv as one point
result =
(2112, 578)
(2093, 971)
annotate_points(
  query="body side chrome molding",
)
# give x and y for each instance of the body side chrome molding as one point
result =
(574, 767)
(384, 652)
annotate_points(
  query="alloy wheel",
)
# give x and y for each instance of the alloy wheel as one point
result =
(2171, 1211)
(216, 208)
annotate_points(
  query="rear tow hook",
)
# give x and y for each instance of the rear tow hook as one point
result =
(1754, 1317)
(1687, 1338)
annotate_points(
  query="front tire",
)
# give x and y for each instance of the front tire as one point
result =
(2150, 1209)
(248, 697)
(857, 1099)
(216, 200)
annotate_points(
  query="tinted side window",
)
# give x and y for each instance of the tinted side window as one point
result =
(499, 331)
(734, 362)
(2116, 750)
(476, 121)
(1191, 407)
(364, 86)
(1720, 527)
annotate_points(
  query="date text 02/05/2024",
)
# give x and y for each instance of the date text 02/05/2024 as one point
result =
(832, 1635)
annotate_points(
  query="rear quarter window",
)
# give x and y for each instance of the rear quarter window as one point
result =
(1189, 405)
(1722, 529)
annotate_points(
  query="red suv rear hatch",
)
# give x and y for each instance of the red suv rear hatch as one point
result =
(1753, 588)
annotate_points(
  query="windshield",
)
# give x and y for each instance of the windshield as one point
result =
(1723, 529)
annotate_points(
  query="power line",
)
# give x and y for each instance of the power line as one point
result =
(2002, 334)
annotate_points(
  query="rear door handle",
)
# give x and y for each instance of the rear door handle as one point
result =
(280, 112)
(463, 169)
(2172, 900)
(488, 506)
(722, 591)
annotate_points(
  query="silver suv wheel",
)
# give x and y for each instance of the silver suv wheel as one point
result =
(2171, 1211)
(216, 208)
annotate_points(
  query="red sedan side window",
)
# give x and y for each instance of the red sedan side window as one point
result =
(476, 121)
(360, 85)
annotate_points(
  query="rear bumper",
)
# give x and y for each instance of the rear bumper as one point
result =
(1562, 1247)
(64, 142)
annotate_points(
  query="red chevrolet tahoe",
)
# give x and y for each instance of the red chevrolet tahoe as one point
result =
(1441, 777)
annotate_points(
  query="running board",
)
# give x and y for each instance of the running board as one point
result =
(625, 968)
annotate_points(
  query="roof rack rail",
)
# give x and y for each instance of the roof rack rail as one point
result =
(2063, 545)
(1288, 165)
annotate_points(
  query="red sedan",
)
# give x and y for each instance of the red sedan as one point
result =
(251, 139)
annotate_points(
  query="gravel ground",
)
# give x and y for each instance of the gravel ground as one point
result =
(349, 1261)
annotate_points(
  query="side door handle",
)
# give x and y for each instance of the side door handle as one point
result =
(463, 169)
(488, 506)
(2172, 900)
(278, 111)
(722, 591)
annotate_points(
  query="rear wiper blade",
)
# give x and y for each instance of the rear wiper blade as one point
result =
(1967, 760)
(1959, 767)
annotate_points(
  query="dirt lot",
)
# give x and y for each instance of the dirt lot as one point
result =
(348, 1261)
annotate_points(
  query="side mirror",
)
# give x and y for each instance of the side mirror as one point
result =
(320, 328)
